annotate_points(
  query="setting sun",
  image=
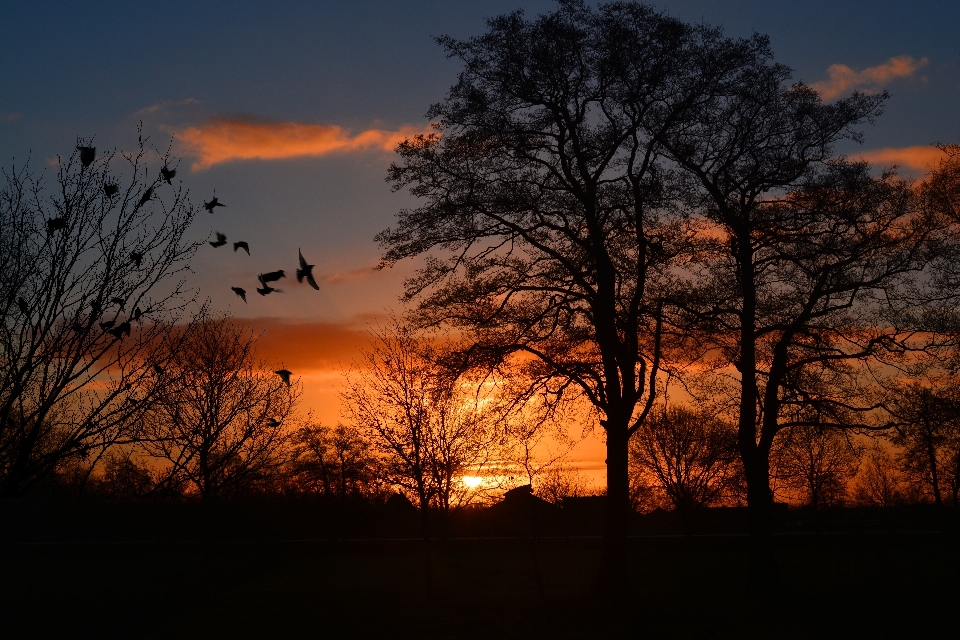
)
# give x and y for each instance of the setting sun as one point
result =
(472, 482)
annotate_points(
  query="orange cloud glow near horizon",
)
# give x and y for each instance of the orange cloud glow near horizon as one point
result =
(917, 158)
(844, 78)
(232, 139)
(305, 345)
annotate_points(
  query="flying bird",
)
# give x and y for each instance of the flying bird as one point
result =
(271, 422)
(272, 276)
(240, 292)
(284, 375)
(136, 257)
(241, 245)
(221, 240)
(168, 174)
(107, 325)
(306, 271)
(24, 307)
(265, 290)
(110, 190)
(56, 223)
(87, 155)
(146, 196)
(119, 301)
(213, 204)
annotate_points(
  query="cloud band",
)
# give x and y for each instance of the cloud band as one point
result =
(232, 139)
(844, 78)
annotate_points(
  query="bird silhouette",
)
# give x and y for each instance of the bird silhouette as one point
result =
(221, 240)
(87, 155)
(76, 326)
(306, 271)
(136, 257)
(24, 307)
(146, 196)
(213, 204)
(265, 290)
(56, 223)
(120, 329)
(119, 301)
(157, 369)
(168, 174)
(284, 375)
(271, 276)
(96, 306)
(241, 245)
(271, 422)
(110, 190)
(137, 313)
(240, 292)
(107, 324)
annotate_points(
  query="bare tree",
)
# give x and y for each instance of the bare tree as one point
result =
(429, 423)
(689, 456)
(818, 462)
(805, 287)
(928, 434)
(552, 214)
(125, 476)
(336, 462)
(218, 427)
(879, 482)
(560, 481)
(91, 277)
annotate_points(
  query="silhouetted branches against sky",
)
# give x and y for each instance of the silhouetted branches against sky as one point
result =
(219, 427)
(94, 263)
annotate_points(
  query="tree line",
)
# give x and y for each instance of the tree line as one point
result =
(621, 216)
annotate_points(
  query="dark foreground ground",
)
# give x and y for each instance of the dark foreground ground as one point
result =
(882, 585)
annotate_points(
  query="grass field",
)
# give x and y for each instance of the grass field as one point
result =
(866, 586)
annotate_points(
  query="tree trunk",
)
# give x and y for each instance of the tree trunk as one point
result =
(612, 579)
(762, 572)
(934, 471)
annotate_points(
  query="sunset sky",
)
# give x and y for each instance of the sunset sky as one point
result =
(290, 110)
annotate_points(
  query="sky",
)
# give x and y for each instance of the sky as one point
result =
(291, 110)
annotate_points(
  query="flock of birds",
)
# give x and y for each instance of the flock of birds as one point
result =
(304, 272)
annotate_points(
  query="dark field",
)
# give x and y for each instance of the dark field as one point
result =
(903, 585)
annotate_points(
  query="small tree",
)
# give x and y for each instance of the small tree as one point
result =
(335, 462)
(689, 456)
(90, 279)
(880, 482)
(817, 462)
(560, 481)
(124, 476)
(928, 434)
(218, 427)
(430, 424)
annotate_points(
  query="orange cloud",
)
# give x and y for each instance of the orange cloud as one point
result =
(231, 139)
(918, 158)
(307, 346)
(844, 78)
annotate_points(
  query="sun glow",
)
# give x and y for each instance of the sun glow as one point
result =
(472, 482)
